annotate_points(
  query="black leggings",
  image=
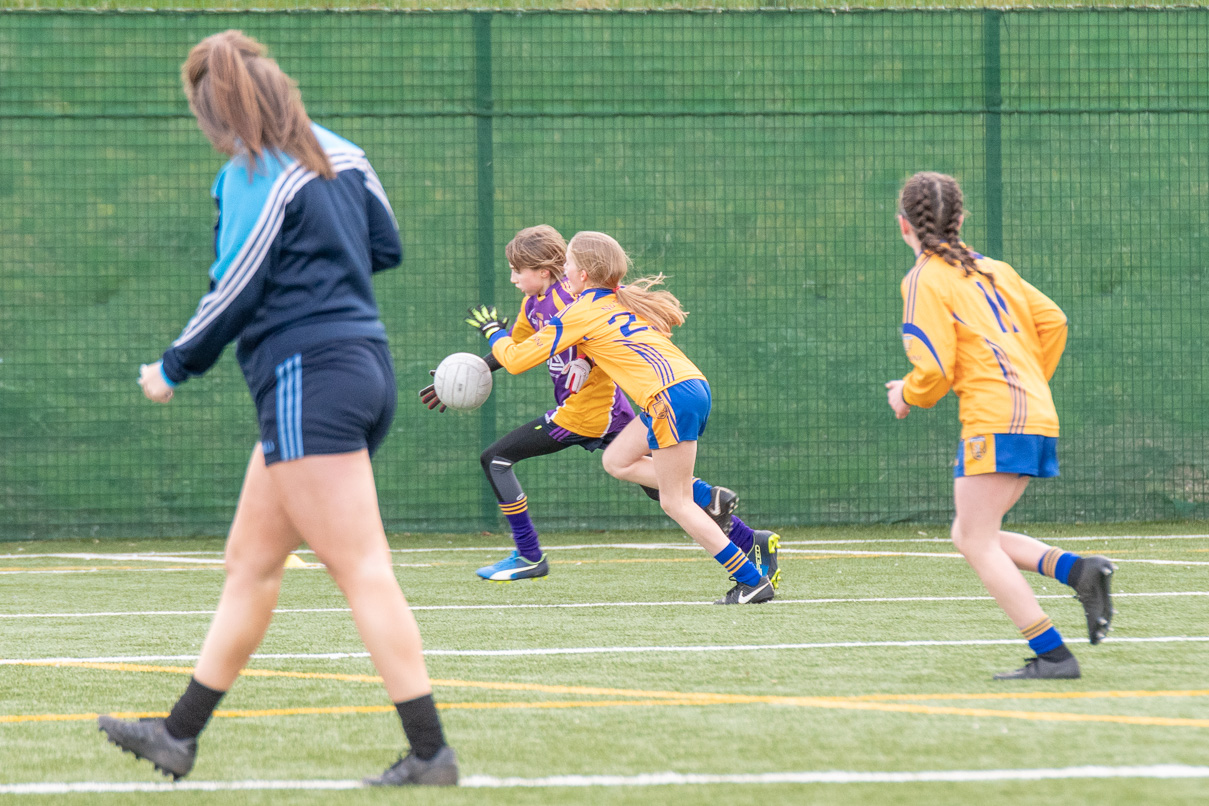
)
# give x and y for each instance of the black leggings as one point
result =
(530, 439)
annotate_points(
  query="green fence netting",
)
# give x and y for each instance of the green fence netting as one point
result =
(752, 157)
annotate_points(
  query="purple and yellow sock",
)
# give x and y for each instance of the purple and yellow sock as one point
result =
(736, 564)
(524, 533)
(1057, 563)
(1042, 636)
(741, 534)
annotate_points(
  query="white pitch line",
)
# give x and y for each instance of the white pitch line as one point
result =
(583, 605)
(611, 650)
(1154, 771)
(170, 556)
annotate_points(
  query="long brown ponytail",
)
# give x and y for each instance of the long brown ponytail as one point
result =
(245, 104)
(931, 203)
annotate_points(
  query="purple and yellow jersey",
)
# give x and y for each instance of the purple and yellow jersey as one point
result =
(639, 358)
(996, 343)
(599, 407)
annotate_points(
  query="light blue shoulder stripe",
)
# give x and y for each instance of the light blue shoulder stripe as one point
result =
(241, 203)
(330, 141)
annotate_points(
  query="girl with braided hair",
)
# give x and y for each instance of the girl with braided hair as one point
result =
(972, 324)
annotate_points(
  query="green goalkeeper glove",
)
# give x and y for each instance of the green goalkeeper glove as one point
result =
(486, 321)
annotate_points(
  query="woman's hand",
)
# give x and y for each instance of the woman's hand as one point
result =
(894, 396)
(151, 379)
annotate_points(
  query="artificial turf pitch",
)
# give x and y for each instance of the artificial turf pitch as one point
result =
(875, 658)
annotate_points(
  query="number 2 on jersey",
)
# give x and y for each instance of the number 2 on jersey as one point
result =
(626, 329)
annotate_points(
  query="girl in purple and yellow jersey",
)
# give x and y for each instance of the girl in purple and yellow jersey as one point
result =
(590, 412)
(972, 324)
(625, 331)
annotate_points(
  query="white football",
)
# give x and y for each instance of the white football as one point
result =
(463, 381)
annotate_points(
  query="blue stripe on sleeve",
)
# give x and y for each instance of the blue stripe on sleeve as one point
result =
(914, 330)
(558, 335)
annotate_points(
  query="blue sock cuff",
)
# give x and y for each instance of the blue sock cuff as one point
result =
(1046, 641)
(736, 564)
(1065, 562)
(1057, 563)
(701, 493)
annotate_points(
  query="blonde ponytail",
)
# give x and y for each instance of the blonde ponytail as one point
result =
(606, 264)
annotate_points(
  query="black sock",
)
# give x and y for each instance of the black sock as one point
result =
(1058, 654)
(422, 726)
(1076, 571)
(192, 711)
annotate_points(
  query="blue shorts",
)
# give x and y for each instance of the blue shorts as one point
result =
(1024, 454)
(677, 414)
(332, 398)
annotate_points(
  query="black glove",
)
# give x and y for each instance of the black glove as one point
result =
(428, 395)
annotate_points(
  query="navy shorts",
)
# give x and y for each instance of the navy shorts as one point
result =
(338, 397)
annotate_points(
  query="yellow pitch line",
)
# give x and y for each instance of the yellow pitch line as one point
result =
(858, 703)
(1030, 695)
(31, 569)
(623, 692)
(369, 678)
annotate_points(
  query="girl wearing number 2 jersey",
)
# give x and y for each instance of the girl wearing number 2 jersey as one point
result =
(625, 331)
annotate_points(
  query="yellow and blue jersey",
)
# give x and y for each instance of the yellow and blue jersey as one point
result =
(599, 407)
(640, 359)
(991, 337)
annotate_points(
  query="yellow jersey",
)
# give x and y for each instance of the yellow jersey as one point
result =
(599, 406)
(641, 360)
(991, 337)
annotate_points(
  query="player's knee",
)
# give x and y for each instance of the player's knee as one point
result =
(616, 464)
(674, 506)
(245, 568)
(955, 535)
(485, 459)
(359, 573)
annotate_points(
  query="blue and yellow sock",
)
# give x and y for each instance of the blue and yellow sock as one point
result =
(701, 493)
(1058, 564)
(524, 533)
(1043, 637)
(737, 565)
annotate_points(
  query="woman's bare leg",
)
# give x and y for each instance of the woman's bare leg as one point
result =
(674, 479)
(260, 540)
(333, 503)
(981, 503)
(628, 457)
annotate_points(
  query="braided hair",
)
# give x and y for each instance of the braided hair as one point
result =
(931, 203)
